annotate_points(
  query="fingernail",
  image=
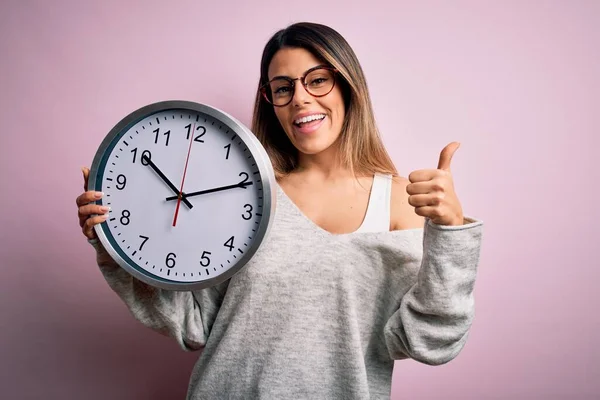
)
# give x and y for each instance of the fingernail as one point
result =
(103, 216)
(98, 194)
(105, 209)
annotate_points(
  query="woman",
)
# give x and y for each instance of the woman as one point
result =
(361, 267)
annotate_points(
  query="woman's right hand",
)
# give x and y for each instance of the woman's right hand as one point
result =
(85, 209)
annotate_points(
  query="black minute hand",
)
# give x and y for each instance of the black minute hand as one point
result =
(167, 181)
(218, 189)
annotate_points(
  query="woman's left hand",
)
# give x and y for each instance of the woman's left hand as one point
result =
(431, 191)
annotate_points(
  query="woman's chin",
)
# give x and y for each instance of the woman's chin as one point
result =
(315, 142)
(313, 147)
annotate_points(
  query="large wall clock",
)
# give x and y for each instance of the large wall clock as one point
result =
(191, 192)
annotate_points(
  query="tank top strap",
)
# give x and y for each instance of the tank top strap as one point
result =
(378, 214)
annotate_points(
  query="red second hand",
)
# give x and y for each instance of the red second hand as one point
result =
(183, 178)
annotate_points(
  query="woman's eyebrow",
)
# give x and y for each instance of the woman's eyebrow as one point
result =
(280, 76)
(289, 77)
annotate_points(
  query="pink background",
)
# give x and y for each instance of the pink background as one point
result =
(516, 82)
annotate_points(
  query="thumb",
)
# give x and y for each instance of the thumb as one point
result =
(446, 156)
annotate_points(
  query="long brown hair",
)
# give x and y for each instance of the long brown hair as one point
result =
(361, 147)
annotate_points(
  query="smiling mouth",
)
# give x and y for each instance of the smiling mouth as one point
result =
(307, 120)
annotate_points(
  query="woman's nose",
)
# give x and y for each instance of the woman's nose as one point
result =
(300, 95)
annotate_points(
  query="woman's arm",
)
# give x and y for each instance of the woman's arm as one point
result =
(435, 315)
(183, 315)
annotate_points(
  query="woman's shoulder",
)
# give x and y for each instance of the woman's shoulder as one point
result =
(402, 214)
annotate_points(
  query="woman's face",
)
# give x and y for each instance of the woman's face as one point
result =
(328, 112)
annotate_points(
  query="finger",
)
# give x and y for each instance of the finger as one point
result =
(423, 200)
(85, 211)
(86, 174)
(88, 197)
(88, 226)
(431, 186)
(446, 156)
(423, 175)
(428, 211)
(419, 188)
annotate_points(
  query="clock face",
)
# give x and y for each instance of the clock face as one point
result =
(204, 235)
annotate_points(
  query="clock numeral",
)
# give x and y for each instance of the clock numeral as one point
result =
(245, 181)
(145, 155)
(228, 147)
(121, 182)
(144, 241)
(170, 260)
(197, 138)
(229, 243)
(125, 217)
(167, 134)
(204, 260)
(248, 213)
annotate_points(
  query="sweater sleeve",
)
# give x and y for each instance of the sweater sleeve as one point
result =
(435, 315)
(185, 316)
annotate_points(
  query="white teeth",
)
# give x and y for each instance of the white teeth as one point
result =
(309, 118)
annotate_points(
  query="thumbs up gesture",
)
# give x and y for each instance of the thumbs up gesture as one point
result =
(431, 191)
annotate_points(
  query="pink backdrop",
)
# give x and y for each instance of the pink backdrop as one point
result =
(516, 82)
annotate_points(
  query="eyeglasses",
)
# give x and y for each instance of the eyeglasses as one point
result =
(318, 82)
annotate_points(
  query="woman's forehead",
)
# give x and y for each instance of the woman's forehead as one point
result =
(292, 62)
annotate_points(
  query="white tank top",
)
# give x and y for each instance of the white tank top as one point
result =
(377, 217)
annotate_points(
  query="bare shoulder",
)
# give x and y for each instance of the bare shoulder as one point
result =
(403, 215)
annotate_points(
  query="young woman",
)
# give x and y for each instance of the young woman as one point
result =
(361, 267)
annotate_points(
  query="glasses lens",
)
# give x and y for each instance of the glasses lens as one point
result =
(279, 91)
(320, 81)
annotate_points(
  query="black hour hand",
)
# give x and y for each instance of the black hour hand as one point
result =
(167, 181)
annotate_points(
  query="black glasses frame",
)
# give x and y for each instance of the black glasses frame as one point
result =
(263, 89)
